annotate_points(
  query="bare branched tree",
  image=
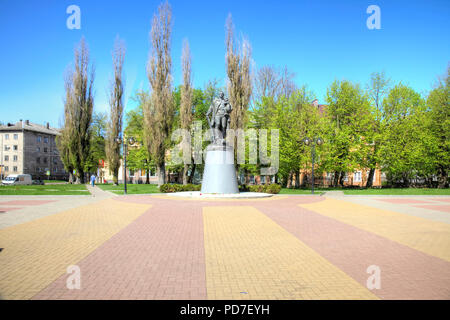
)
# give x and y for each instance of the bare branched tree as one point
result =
(186, 99)
(272, 82)
(238, 59)
(114, 128)
(63, 141)
(159, 111)
(377, 88)
(78, 109)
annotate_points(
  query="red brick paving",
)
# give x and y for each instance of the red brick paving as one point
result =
(405, 273)
(443, 208)
(441, 200)
(158, 256)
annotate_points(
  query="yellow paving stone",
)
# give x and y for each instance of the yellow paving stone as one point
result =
(246, 251)
(35, 253)
(430, 237)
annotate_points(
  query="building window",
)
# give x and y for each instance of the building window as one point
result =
(16, 136)
(38, 149)
(15, 147)
(38, 139)
(45, 149)
(56, 170)
(45, 159)
(15, 169)
(263, 179)
(6, 168)
(55, 161)
(6, 136)
(6, 158)
(38, 160)
(15, 158)
(357, 176)
(45, 140)
(7, 148)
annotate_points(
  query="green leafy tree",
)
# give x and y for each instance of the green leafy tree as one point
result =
(438, 104)
(402, 149)
(349, 123)
(98, 134)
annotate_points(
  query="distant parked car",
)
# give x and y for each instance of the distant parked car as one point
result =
(38, 182)
(17, 179)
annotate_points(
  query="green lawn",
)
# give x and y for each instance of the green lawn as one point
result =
(56, 189)
(55, 181)
(398, 191)
(131, 188)
(384, 191)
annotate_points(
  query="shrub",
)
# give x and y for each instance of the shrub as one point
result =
(169, 187)
(273, 188)
(266, 188)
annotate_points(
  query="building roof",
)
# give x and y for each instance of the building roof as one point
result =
(29, 126)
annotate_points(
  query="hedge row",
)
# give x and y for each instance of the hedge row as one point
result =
(168, 187)
(267, 188)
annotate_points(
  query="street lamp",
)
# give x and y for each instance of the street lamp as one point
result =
(125, 143)
(313, 143)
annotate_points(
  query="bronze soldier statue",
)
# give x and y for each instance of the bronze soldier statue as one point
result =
(219, 110)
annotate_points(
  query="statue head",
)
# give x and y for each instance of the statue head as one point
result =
(221, 95)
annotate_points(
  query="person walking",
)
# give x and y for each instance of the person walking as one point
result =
(93, 180)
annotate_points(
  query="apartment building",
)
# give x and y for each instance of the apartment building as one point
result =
(30, 148)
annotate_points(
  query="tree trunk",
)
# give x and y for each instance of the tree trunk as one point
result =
(289, 182)
(341, 178)
(147, 177)
(161, 173)
(191, 176)
(185, 175)
(297, 179)
(336, 179)
(369, 182)
(70, 177)
(116, 177)
(443, 178)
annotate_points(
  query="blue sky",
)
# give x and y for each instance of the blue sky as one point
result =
(318, 40)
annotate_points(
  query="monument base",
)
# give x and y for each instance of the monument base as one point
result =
(219, 175)
(198, 195)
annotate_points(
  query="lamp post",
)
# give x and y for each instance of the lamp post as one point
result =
(125, 143)
(313, 143)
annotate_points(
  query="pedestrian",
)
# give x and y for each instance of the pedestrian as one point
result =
(93, 180)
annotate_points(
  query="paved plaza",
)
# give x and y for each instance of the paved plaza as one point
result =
(284, 247)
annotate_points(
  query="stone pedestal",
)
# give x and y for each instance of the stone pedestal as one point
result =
(219, 175)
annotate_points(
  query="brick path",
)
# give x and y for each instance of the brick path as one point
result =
(285, 247)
